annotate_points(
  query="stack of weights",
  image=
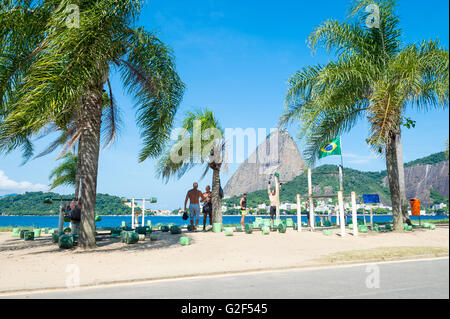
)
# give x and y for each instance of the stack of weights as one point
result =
(265, 230)
(16, 232)
(141, 230)
(363, 229)
(55, 237)
(184, 241)
(248, 228)
(65, 241)
(37, 232)
(28, 235)
(22, 233)
(282, 228)
(131, 237)
(175, 230)
(116, 232)
(228, 231)
(429, 226)
(75, 239)
(123, 236)
(289, 222)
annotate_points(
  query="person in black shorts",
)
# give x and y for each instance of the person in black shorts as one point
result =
(273, 202)
(207, 206)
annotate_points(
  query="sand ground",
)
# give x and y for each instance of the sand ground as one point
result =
(26, 265)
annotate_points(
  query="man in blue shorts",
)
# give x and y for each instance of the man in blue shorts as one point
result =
(194, 195)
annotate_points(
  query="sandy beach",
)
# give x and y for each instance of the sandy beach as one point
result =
(27, 265)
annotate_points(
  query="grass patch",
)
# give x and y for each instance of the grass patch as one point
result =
(432, 221)
(383, 253)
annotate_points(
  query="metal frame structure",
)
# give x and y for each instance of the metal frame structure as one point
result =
(152, 200)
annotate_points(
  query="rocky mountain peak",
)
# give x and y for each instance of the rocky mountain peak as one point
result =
(278, 153)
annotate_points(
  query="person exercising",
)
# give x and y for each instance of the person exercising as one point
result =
(273, 202)
(207, 206)
(243, 204)
(194, 196)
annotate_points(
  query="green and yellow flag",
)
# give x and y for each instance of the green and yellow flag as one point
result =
(332, 148)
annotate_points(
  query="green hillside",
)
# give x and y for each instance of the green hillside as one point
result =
(430, 160)
(31, 203)
(354, 180)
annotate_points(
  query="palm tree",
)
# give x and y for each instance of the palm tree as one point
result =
(375, 77)
(66, 72)
(200, 142)
(65, 173)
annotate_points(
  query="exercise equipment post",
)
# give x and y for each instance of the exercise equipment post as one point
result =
(61, 212)
(341, 212)
(299, 214)
(277, 190)
(312, 218)
(354, 214)
(152, 200)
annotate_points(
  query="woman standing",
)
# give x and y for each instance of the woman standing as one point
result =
(243, 204)
(207, 206)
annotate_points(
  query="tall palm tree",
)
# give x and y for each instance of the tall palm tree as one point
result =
(65, 173)
(375, 77)
(66, 73)
(200, 142)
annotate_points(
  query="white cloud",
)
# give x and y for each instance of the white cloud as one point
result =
(8, 185)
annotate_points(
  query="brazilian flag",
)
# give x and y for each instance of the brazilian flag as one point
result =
(332, 148)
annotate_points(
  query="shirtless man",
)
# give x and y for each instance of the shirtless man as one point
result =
(273, 202)
(194, 195)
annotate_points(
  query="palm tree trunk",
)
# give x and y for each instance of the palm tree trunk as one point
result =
(396, 177)
(89, 152)
(78, 171)
(215, 197)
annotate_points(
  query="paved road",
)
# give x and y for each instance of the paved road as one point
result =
(412, 279)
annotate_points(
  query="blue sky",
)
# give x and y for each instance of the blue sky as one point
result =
(235, 58)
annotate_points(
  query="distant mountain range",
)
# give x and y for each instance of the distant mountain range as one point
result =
(1, 196)
(426, 178)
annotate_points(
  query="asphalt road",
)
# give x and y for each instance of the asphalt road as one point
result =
(411, 279)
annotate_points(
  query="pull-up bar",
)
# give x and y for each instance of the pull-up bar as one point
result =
(124, 200)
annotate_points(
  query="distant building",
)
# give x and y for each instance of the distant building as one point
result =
(439, 206)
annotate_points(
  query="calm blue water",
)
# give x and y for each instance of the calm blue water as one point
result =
(115, 221)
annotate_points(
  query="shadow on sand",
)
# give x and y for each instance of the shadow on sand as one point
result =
(105, 244)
